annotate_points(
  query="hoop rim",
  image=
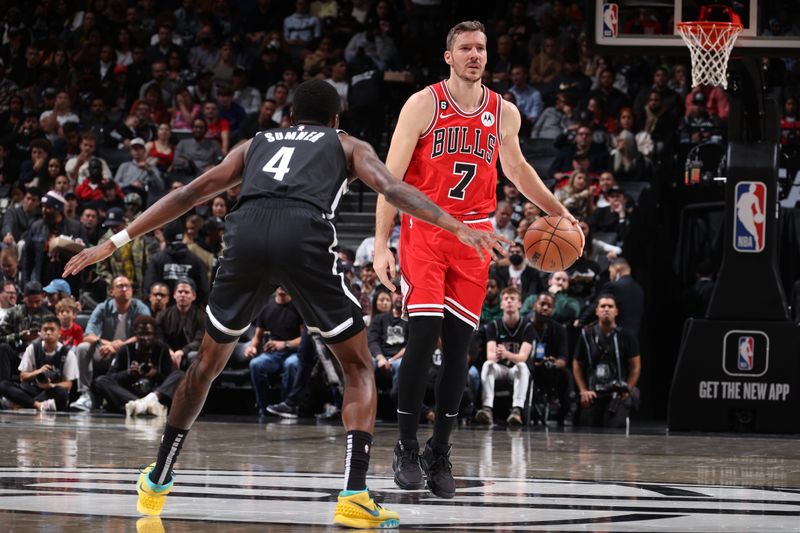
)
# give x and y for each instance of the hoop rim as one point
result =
(707, 26)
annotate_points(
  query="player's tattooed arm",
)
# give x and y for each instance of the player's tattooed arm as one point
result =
(200, 190)
(366, 165)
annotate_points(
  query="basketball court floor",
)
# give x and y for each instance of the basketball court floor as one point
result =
(77, 473)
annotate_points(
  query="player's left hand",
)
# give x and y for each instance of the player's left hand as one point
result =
(484, 242)
(87, 257)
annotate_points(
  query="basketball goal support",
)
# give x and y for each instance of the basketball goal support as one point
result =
(739, 367)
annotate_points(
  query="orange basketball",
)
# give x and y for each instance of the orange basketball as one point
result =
(552, 244)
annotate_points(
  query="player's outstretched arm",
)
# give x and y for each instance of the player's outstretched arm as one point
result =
(367, 166)
(414, 118)
(521, 173)
(177, 202)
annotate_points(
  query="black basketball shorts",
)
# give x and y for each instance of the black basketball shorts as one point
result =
(287, 243)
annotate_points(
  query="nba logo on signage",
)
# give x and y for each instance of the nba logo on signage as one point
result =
(610, 19)
(749, 222)
(745, 353)
(746, 347)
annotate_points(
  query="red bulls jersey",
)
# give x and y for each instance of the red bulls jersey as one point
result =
(455, 161)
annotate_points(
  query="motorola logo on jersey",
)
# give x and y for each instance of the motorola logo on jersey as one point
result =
(487, 119)
(749, 222)
(459, 140)
(745, 353)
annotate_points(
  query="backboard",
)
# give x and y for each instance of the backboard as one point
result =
(771, 27)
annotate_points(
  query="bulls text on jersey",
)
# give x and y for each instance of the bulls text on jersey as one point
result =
(459, 140)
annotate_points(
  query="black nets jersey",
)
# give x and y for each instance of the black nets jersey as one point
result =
(303, 162)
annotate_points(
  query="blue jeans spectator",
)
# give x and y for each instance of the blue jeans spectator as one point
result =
(266, 364)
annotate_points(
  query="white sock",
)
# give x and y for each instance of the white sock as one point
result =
(151, 398)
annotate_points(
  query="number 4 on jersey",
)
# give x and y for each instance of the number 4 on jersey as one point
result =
(467, 172)
(278, 164)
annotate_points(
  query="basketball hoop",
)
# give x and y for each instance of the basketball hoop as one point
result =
(710, 44)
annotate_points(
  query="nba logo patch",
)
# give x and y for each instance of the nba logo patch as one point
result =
(745, 353)
(746, 349)
(610, 20)
(749, 218)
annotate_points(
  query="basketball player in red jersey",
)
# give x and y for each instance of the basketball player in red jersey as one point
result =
(447, 141)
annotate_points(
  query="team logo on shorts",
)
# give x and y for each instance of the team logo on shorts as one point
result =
(745, 353)
(442, 105)
(487, 118)
(749, 217)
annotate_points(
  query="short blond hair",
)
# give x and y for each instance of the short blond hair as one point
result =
(463, 27)
(67, 304)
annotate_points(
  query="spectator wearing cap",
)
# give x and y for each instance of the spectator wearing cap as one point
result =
(128, 261)
(45, 256)
(175, 261)
(91, 188)
(196, 155)
(55, 291)
(78, 167)
(615, 217)
(248, 97)
(109, 329)
(118, 96)
(140, 174)
(111, 197)
(17, 220)
(133, 205)
(22, 323)
(698, 126)
(182, 324)
(204, 89)
(230, 111)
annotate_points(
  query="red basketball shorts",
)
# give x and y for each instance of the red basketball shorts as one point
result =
(439, 273)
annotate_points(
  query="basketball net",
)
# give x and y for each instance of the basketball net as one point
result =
(710, 45)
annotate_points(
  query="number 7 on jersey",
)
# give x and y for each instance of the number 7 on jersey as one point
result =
(278, 164)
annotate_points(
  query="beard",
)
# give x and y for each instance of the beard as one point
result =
(467, 74)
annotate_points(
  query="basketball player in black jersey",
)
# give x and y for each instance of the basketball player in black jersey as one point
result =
(280, 233)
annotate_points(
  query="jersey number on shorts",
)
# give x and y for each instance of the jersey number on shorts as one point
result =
(467, 172)
(278, 164)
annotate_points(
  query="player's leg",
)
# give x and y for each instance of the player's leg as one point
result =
(456, 338)
(423, 300)
(234, 303)
(331, 311)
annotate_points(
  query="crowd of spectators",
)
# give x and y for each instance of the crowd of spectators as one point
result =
(107, 105)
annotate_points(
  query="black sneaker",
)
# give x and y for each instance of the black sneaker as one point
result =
(283, 410)
(438, 470)
(407, 470)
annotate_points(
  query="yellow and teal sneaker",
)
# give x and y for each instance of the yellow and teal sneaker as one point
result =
(357, 510)
(151, 495)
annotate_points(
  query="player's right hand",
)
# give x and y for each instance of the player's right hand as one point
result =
(483, 242)
(385, 268)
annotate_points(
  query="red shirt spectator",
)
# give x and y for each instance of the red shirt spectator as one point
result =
(73, 335)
